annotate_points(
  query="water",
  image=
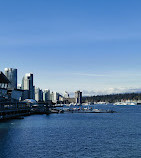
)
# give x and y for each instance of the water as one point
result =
(77, 135)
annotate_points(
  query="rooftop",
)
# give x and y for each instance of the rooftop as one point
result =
(3, 78)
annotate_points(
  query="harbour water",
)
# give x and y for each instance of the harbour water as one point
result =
(74, 135)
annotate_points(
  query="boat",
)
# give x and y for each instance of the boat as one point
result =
(103, 111)
(56, 111)
(125, 103)
(84, 110)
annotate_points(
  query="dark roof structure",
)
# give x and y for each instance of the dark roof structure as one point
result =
(3, 78)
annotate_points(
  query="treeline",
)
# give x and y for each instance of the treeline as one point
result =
(113, 97)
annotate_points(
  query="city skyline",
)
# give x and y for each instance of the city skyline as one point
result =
(90, 46)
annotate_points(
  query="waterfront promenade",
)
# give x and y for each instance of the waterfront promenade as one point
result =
(10, 110)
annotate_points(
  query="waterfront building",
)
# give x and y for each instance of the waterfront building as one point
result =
(27, 84)
(55, 97)
(61, 98)
(25, 94)
(9, 93)
(66, 95)
(11, 74)
(16, 94)
(4, 82)
(46, 95)
(51, 96)
(3, 86)
(78, 97)
(38, 94)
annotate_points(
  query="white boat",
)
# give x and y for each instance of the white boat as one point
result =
(125, 103)
(102, 103)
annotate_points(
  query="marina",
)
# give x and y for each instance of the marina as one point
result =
(87, 110)
(126, 103)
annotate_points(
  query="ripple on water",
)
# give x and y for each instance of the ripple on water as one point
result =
(73, 135)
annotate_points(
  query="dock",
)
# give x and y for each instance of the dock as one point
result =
(10, 110)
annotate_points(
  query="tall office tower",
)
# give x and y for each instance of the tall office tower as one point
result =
(78, 97)
(27, 84)
(11, 74)
(66, 95)
(46, 95)
(55, 97)
(51, 96)
(38, 94)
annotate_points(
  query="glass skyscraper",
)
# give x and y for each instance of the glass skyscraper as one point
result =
(11, 74)
(27, 84)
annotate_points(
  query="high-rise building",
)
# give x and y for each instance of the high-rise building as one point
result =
(11, 74)
(27, 84)
(55, 97)
(46, 95)
(38, 94)
(66, 95)
(78, 97)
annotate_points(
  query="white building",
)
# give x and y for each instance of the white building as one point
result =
(55, 97)
(38, 94)
(66, 95)
(46, 95)
(27, 84)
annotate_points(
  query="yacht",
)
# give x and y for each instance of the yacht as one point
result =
(125, 103)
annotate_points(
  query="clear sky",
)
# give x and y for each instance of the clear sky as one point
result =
(91, 45)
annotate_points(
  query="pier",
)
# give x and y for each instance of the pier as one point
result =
(9, 110)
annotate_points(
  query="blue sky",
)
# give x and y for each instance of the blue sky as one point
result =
(91, 45)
